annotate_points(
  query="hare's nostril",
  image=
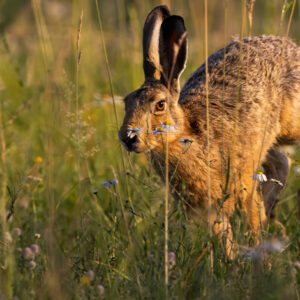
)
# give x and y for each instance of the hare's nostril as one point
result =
(132, 140)
(129, 143)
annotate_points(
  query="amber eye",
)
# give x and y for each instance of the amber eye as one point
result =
(161, 105)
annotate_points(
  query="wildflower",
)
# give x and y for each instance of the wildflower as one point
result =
(24, 204)
(186, 141)
(295, 268)
(165, 127)
(111, 183)
(100, 290)
(37, 235)
(8, 237)
(38, 159)
(151, 257)
(90, 274)
(297, 170)
(33, 178)
(266, 247)
(85, 280)
(297, 264)
(276, 181)
(171, 259)
(158, 130)
(35, 248)
(17, 231)
(32, 293)
(133, 131)
(259, 176)
(273, 245)
(28, 253)
(168, 127)
(32, 264)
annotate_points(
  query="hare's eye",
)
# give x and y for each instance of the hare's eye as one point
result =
(161, 105)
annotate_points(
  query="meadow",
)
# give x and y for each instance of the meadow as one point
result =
(64, 68)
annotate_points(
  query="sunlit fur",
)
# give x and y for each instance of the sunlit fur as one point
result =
(253, 107)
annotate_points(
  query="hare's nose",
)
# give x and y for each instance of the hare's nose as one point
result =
(129, 143)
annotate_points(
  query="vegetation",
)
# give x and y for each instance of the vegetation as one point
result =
(64, 234)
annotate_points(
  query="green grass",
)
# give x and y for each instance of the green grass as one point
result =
(54, 156)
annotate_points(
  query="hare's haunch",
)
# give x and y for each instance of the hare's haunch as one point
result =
(253, 90)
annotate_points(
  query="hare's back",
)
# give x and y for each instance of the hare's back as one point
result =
(250, 81)
(249, 76)
(249, 65)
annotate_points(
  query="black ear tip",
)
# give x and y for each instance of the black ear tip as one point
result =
(162, 10)
(174, 20)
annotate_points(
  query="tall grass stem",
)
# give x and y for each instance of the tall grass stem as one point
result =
(112, 96)
(208, 130)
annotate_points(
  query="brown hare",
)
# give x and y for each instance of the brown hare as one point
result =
(253, 93)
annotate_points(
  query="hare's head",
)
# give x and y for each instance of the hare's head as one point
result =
(152, 111)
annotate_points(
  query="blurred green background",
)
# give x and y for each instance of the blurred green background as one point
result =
(58, 142)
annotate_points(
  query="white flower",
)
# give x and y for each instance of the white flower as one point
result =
(35, 248)
(165, 127)
(151, 257)
(168, 127)
(100, 290)
(90, 274)
(276, 181)
(17, 231)
(32, 264)
(265, 248)
(158, 130)
(33, 178)
(259, 176)
(8, 237)
(297, 170)
(111, 183)
(186, 141)
(133, 131)
(273, 245)
(171, 259)
(28, 253)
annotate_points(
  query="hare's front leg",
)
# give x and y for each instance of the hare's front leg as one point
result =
(256, 215)
(254, 208)
(222, 229)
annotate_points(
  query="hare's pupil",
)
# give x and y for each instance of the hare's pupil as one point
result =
(160, 105)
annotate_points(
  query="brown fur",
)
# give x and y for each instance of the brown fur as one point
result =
(252, 106)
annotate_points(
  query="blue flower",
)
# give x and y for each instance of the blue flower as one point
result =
(111, 183)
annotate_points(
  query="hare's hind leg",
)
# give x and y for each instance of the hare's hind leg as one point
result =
(256, 217)
(289, 120)
(276, 166)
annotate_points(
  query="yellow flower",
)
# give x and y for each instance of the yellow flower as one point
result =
(38, 159)
(106, 97)
(158, 130)
(85, 280)
(167, 122)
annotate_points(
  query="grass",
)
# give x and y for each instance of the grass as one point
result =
(58, 144)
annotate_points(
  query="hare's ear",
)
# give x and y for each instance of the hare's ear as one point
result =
(172, 50)
(151, 41)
